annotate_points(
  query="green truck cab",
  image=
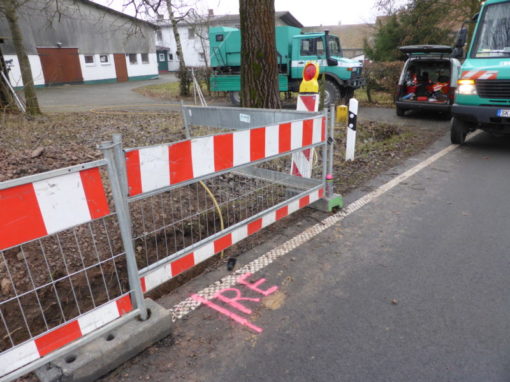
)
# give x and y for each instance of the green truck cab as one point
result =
(294, 50)
(482, 100)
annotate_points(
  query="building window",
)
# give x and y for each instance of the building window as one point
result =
(89, 60)
(162, 57)
(104, 59)
(133, 59)
(170, 56)
(159, 35)
(202, 56)
(145, 58)
(191, 33)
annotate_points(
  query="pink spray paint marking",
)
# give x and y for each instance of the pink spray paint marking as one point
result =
(255, 286)
(241, 320)
(234, 300)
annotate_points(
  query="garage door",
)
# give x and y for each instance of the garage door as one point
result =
(60, 65)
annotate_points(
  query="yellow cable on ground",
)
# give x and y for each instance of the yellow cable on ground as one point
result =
(315, 157)
(218, 209)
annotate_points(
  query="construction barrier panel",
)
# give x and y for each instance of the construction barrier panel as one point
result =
(79, 246)
(194, 198)
(62, 263)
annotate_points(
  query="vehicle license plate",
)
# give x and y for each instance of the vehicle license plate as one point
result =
(505, 113)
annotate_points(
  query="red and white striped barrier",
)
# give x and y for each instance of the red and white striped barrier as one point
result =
(302, 161)
(167, 271)
(155, 167)
(32, 350)
(308, 102)
(41, 208)
(479, 75)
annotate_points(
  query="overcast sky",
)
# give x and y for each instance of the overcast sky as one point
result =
(316, 12)
(309, 13)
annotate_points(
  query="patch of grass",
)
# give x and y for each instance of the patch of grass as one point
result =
(168, 90)
(379, 98)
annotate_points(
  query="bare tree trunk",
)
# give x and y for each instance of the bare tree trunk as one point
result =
(259, 62)
(204, 46)
(6, 98)
(184, 77)
(369, 93)
(26, 73)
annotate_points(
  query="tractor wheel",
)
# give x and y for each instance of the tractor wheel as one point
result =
(331, 94)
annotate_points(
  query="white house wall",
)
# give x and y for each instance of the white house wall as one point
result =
(140, 69)
(15, 72)
(191, 47)
(98, 71)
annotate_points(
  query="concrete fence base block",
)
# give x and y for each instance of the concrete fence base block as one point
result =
(104, 354)
(328, 204)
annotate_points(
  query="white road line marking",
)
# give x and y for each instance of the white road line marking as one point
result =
(187, 306)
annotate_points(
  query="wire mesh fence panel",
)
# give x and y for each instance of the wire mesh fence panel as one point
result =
(62, 262)
(187, 197)
(168, 222)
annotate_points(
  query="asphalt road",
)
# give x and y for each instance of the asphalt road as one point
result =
(436, 245)
(411, 287)
(72, 98)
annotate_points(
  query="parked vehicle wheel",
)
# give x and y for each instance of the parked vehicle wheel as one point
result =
(235, 98)
(401, 112)
(331, 93)
(458, 131)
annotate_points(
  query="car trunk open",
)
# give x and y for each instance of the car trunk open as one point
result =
(427, 75)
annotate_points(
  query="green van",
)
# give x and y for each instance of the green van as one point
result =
(482, 99)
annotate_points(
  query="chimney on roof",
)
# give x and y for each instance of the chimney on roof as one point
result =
(211, 12)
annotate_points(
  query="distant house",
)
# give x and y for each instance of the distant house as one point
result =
(352, 37)
(194, 37)
(81, 42)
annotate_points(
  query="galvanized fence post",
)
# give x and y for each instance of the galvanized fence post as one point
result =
(120, 163)
(325, 150)
(185, 121)
(331, 147)
(124, 218)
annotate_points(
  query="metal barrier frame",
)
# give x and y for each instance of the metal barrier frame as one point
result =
(76, 332)
(167, 268)
(22, 359)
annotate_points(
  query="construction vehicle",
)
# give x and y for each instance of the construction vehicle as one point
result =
(294, 50)
(482, 100)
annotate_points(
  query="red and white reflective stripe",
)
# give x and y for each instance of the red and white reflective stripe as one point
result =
(152, 168)
(302, 161)
(44, 207)
(302, 164)
(29, 351)
(308, 102)
(167, 271)
(479, 75)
